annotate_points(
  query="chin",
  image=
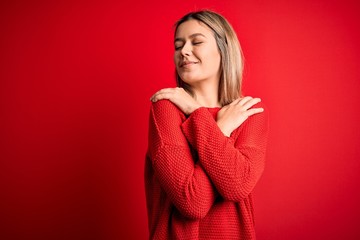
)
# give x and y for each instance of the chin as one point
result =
(190, 79)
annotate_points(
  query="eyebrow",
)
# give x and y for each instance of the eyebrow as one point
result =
(191, 36)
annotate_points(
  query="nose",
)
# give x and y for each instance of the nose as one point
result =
(186, 49)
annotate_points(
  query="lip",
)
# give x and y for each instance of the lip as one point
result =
(187, 63)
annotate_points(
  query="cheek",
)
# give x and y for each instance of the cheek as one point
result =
(176, 58)
(217, 56)
(214, 59)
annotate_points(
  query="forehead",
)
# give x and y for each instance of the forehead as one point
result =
(190, 27)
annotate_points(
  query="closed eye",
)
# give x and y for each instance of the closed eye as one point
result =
(178, 48)
(194, 43)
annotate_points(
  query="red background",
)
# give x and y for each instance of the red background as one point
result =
(76, 78)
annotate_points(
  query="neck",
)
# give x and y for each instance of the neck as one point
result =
(207, 95)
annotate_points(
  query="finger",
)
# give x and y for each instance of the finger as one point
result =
(253, 111)
(244, 100)
(249, 104)
(162, 91)
(167, 93)
(236, 101)
(164, 95)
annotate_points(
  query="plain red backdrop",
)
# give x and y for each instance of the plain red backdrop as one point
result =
(75, 82)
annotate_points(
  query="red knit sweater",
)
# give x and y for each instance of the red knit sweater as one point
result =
(198, 182)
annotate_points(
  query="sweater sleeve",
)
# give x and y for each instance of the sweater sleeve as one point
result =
(234, 164)
(184, 181)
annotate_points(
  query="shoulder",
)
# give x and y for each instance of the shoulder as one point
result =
(164, 106)
(263, 116)
(257, 123)
(258, 120)
(166, 110)
(263, 106)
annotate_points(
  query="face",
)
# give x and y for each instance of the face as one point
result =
(196, 57)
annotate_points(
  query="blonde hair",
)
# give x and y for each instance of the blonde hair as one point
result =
(232, 60)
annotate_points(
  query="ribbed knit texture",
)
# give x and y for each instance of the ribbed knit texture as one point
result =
(198, 182)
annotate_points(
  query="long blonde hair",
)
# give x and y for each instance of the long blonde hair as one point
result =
(232, 60)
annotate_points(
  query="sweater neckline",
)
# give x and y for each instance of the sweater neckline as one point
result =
(213, 110)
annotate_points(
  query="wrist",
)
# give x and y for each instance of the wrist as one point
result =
(192, 109)
(223, 129)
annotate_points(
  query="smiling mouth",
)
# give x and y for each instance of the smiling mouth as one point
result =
(187, 63)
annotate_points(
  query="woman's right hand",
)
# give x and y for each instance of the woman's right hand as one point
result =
(234, 114)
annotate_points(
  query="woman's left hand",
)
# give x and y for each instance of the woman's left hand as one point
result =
(179, 97)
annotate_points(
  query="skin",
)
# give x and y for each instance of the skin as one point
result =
(197, 60)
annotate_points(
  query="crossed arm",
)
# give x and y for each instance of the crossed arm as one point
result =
(229, 166)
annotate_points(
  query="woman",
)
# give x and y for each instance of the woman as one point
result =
(207, 144)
